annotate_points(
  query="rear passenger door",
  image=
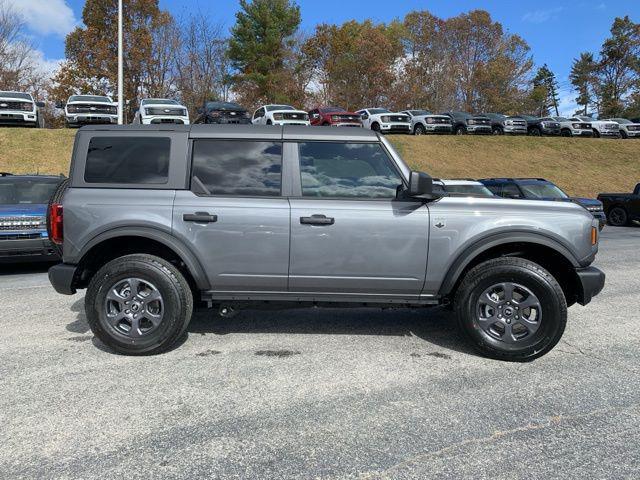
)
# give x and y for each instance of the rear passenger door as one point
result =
(349, 234)
(235, 217)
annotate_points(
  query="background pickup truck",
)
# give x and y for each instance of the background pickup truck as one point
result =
(621, 208)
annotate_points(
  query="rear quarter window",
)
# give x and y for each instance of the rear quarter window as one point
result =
(128, 160)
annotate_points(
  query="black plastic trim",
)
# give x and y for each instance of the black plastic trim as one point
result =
(62, 278)
(591, 283)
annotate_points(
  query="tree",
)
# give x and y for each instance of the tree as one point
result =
(91, 49)
(583, 78)
(546, 85)
(262, 42)
(18, 63)
(354, 64)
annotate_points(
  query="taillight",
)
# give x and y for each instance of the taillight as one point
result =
(56, 224)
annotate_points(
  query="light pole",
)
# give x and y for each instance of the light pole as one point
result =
(120, 67)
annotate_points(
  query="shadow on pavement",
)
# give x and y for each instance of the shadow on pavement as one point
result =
(21, 268)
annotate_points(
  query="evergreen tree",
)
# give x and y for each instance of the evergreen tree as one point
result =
(546, 85)
(582, 77)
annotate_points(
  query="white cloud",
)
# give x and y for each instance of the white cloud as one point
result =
(567, 104)
(46, 16)
(542, 16)
(46, 66)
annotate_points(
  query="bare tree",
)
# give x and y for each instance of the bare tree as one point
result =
(18, 65)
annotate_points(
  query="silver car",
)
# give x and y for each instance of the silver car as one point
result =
(156, 218)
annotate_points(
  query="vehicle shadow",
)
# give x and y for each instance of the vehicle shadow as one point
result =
(435, 326)
(21, 268)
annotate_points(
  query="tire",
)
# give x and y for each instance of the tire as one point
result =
(419, 129)
(565, 132)
(623, 135)
(617, 217)
(269, 122)
(154, 276)
(596, 134)
(531, 338)
(460, 131)
(375, 126)
(535, 132)
(497, 131)
(57, 197)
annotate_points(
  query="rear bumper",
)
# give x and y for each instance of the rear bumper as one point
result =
(590, 284)
(62, 278)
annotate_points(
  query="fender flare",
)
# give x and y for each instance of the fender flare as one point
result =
(494, 240)
(186, 255)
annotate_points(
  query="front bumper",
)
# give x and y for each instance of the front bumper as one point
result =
(17, 117)
(633, 133)
(346, 124)
(160, 119)
(515, 130)
(582, 133)
(601, 217)
(610, 133)
(292, 122)
(395, 127)
(442, 129)
(590, 283)
(21, 247)
(62, 278)
(91, 118)
(553, 132)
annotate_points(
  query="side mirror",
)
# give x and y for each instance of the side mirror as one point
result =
(364, 116)
(60, 104)
(40, 104)
(421, 186)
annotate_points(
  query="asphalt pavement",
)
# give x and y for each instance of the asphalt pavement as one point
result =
(320, 393)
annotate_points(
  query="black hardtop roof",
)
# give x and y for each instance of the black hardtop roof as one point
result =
(248, 132)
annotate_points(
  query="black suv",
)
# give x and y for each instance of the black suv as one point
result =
(464, 123)
(223, 113)
(538, 127)
(541, 189)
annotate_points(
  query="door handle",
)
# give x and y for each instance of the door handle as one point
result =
(200, 217)
(317, 220)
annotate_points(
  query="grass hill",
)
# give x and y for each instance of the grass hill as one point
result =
(580, 166)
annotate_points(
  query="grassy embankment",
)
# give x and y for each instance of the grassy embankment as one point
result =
(580, 166)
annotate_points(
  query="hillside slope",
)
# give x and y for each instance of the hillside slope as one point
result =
(580, 166)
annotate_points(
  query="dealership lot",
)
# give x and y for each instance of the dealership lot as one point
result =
(322, 393)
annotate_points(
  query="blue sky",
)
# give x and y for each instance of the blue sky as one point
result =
(557, 31)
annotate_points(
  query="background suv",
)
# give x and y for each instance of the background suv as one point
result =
(501, 124)
(161, 110)
(462, 186)
(382, 120)
(279, 115)
(602, 128)
(628, 129)
(85, 109)
(537, 126)
(222, 113)
(541, 189)
(17, 108)
(23, 210)
(423, 121)
(464, 123)
(334, 117)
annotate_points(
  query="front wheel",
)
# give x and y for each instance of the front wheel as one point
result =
(535, 132)
(138, 304)
(375, 126)
(461, 131)
(511, 309)
(623, 135)
(419, 129)
(497, 131)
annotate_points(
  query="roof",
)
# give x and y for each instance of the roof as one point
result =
(508, 179)
(248, 132)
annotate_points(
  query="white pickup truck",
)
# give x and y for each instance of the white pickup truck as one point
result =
(161, 110)
(19, 108)
(89, 109)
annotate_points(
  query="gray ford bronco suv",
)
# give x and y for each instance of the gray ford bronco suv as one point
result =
(155, 219)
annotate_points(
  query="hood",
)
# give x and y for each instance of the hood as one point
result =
(91, 102)
(14, 99)
(164, 105)
(23, 210)
(289, 111)
(586, 202)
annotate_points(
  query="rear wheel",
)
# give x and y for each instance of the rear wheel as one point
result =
(138, 304)
(511, 309)
(617, 217)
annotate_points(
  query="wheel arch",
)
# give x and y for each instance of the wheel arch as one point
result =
(123, 241)
(548, 253)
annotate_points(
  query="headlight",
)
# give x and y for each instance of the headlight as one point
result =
(595, 208)
(575, 125)
(277, 116)
(72, 108)
(305, 116)
(113, 110)
(385, 119)
(27, 107)
(147, 111)
(471, 121)
(430, 120)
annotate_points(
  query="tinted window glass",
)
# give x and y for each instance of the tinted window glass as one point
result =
(359, 170)
(29, 190)
(510, 190)
(142, 160)
(228, 167)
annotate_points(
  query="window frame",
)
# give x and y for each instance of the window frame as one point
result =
(295, 172)
(285, 187)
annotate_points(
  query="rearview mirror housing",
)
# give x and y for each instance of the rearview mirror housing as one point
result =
(40, 104)
(421, 186)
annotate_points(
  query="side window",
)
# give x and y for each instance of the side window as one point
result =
(511, 190)
(495, 188)
(237, 167)
(128, 160)
(347, 170)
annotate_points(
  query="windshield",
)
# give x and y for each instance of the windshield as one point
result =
(159, 101)
(469, 189)
(376, 111)
(585, 119)
(89, 98)
(27, 191)
(416, 113)
(528, 117)
(493, 116)
(623, 121)
(271, 108)
(25, 96)
(542, 190)
(223, 106)
(332, 110)
(561, 119)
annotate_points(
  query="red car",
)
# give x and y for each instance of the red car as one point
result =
(334, 117)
